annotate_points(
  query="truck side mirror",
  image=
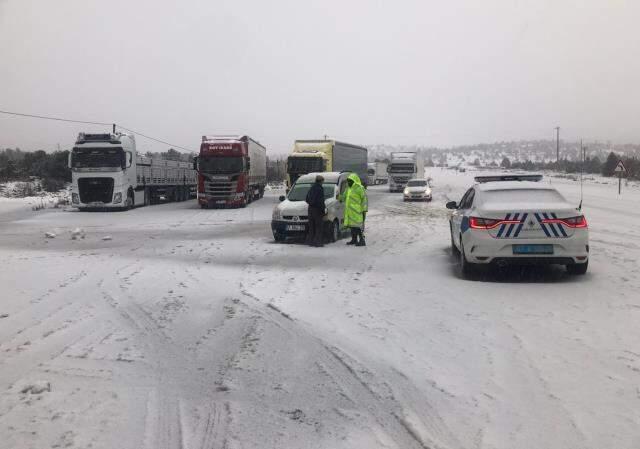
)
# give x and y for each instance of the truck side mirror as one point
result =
(248, 163)
(195, 163)
(70, 159)
(129, 159)
(451, 205)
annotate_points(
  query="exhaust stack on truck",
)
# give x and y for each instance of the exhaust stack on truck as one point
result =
(108, 173)
(232, 171)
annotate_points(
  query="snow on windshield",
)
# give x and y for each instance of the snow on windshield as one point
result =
(419, 183)
(299, 191)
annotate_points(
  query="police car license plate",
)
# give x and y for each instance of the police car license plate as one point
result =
(532, 249)
(295, 227)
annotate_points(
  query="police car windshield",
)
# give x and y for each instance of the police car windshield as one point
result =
(417, 183)
(524, 195)
(299, 191)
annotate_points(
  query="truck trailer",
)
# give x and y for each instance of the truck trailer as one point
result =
(377, 173)
(232, 171)
(402, 167)
(315, 156)
(108, 173)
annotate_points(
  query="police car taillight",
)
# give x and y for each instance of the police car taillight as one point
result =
(572, 222)
(488, 223)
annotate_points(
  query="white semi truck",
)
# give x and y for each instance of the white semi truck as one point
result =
(377, 173)
(108, 173)
(404, 166)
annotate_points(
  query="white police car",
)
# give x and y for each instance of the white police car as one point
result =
(517, 219)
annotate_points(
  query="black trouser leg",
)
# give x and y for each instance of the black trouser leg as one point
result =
(314, 237)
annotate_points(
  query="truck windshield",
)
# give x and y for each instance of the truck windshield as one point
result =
(221, 164)
(97, 157)
(401, 168)
(304, 165)
(299, 191)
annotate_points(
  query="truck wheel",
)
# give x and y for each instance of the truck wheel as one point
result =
(578, 268)
(129, 203)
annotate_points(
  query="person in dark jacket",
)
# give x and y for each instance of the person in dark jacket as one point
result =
(317, 210)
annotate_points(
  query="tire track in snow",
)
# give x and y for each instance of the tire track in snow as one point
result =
(396, 419)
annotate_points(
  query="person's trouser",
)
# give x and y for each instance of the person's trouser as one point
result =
(315, 231)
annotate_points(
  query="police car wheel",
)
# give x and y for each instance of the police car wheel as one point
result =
(578, 268)
(466, 268)
(454, 250)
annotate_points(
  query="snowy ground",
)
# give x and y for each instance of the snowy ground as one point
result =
(190, 328)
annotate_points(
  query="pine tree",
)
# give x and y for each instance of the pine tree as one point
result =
(610, 164)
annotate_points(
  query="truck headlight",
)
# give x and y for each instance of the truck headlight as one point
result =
(75, 199)
(117, 198)
(406, 191)
(428, 192)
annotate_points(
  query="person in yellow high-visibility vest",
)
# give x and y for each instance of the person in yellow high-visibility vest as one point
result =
(355, 209)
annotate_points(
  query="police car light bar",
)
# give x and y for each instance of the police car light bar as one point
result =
(493, 178)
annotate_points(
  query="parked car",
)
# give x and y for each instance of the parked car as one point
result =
(417, 189)
(290, 217)
(518, 219)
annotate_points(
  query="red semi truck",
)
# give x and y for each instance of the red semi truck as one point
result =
(232, 171)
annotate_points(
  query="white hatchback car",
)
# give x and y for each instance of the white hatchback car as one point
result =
(517, 219)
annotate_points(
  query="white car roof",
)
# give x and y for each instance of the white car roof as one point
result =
(330, 177)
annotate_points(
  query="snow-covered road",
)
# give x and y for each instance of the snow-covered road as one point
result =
(190, 328)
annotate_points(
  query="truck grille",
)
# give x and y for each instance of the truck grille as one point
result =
(220, 189)
(95, 190)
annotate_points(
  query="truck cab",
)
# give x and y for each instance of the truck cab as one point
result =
(103, 168)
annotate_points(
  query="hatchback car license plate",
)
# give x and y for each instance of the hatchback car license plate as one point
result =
(532, 249)
(295, 227)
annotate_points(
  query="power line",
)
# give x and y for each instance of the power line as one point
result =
(44, 117)
(54, 118)
(155, 140)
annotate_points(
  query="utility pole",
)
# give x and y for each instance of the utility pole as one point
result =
(557, 128)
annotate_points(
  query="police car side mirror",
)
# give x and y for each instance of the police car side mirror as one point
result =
(282, 198)
(452, 205)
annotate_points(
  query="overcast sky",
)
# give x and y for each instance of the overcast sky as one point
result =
(398, 72)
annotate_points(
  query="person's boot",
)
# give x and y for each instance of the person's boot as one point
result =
(354, 239)
(352, 242)
(361, 242)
